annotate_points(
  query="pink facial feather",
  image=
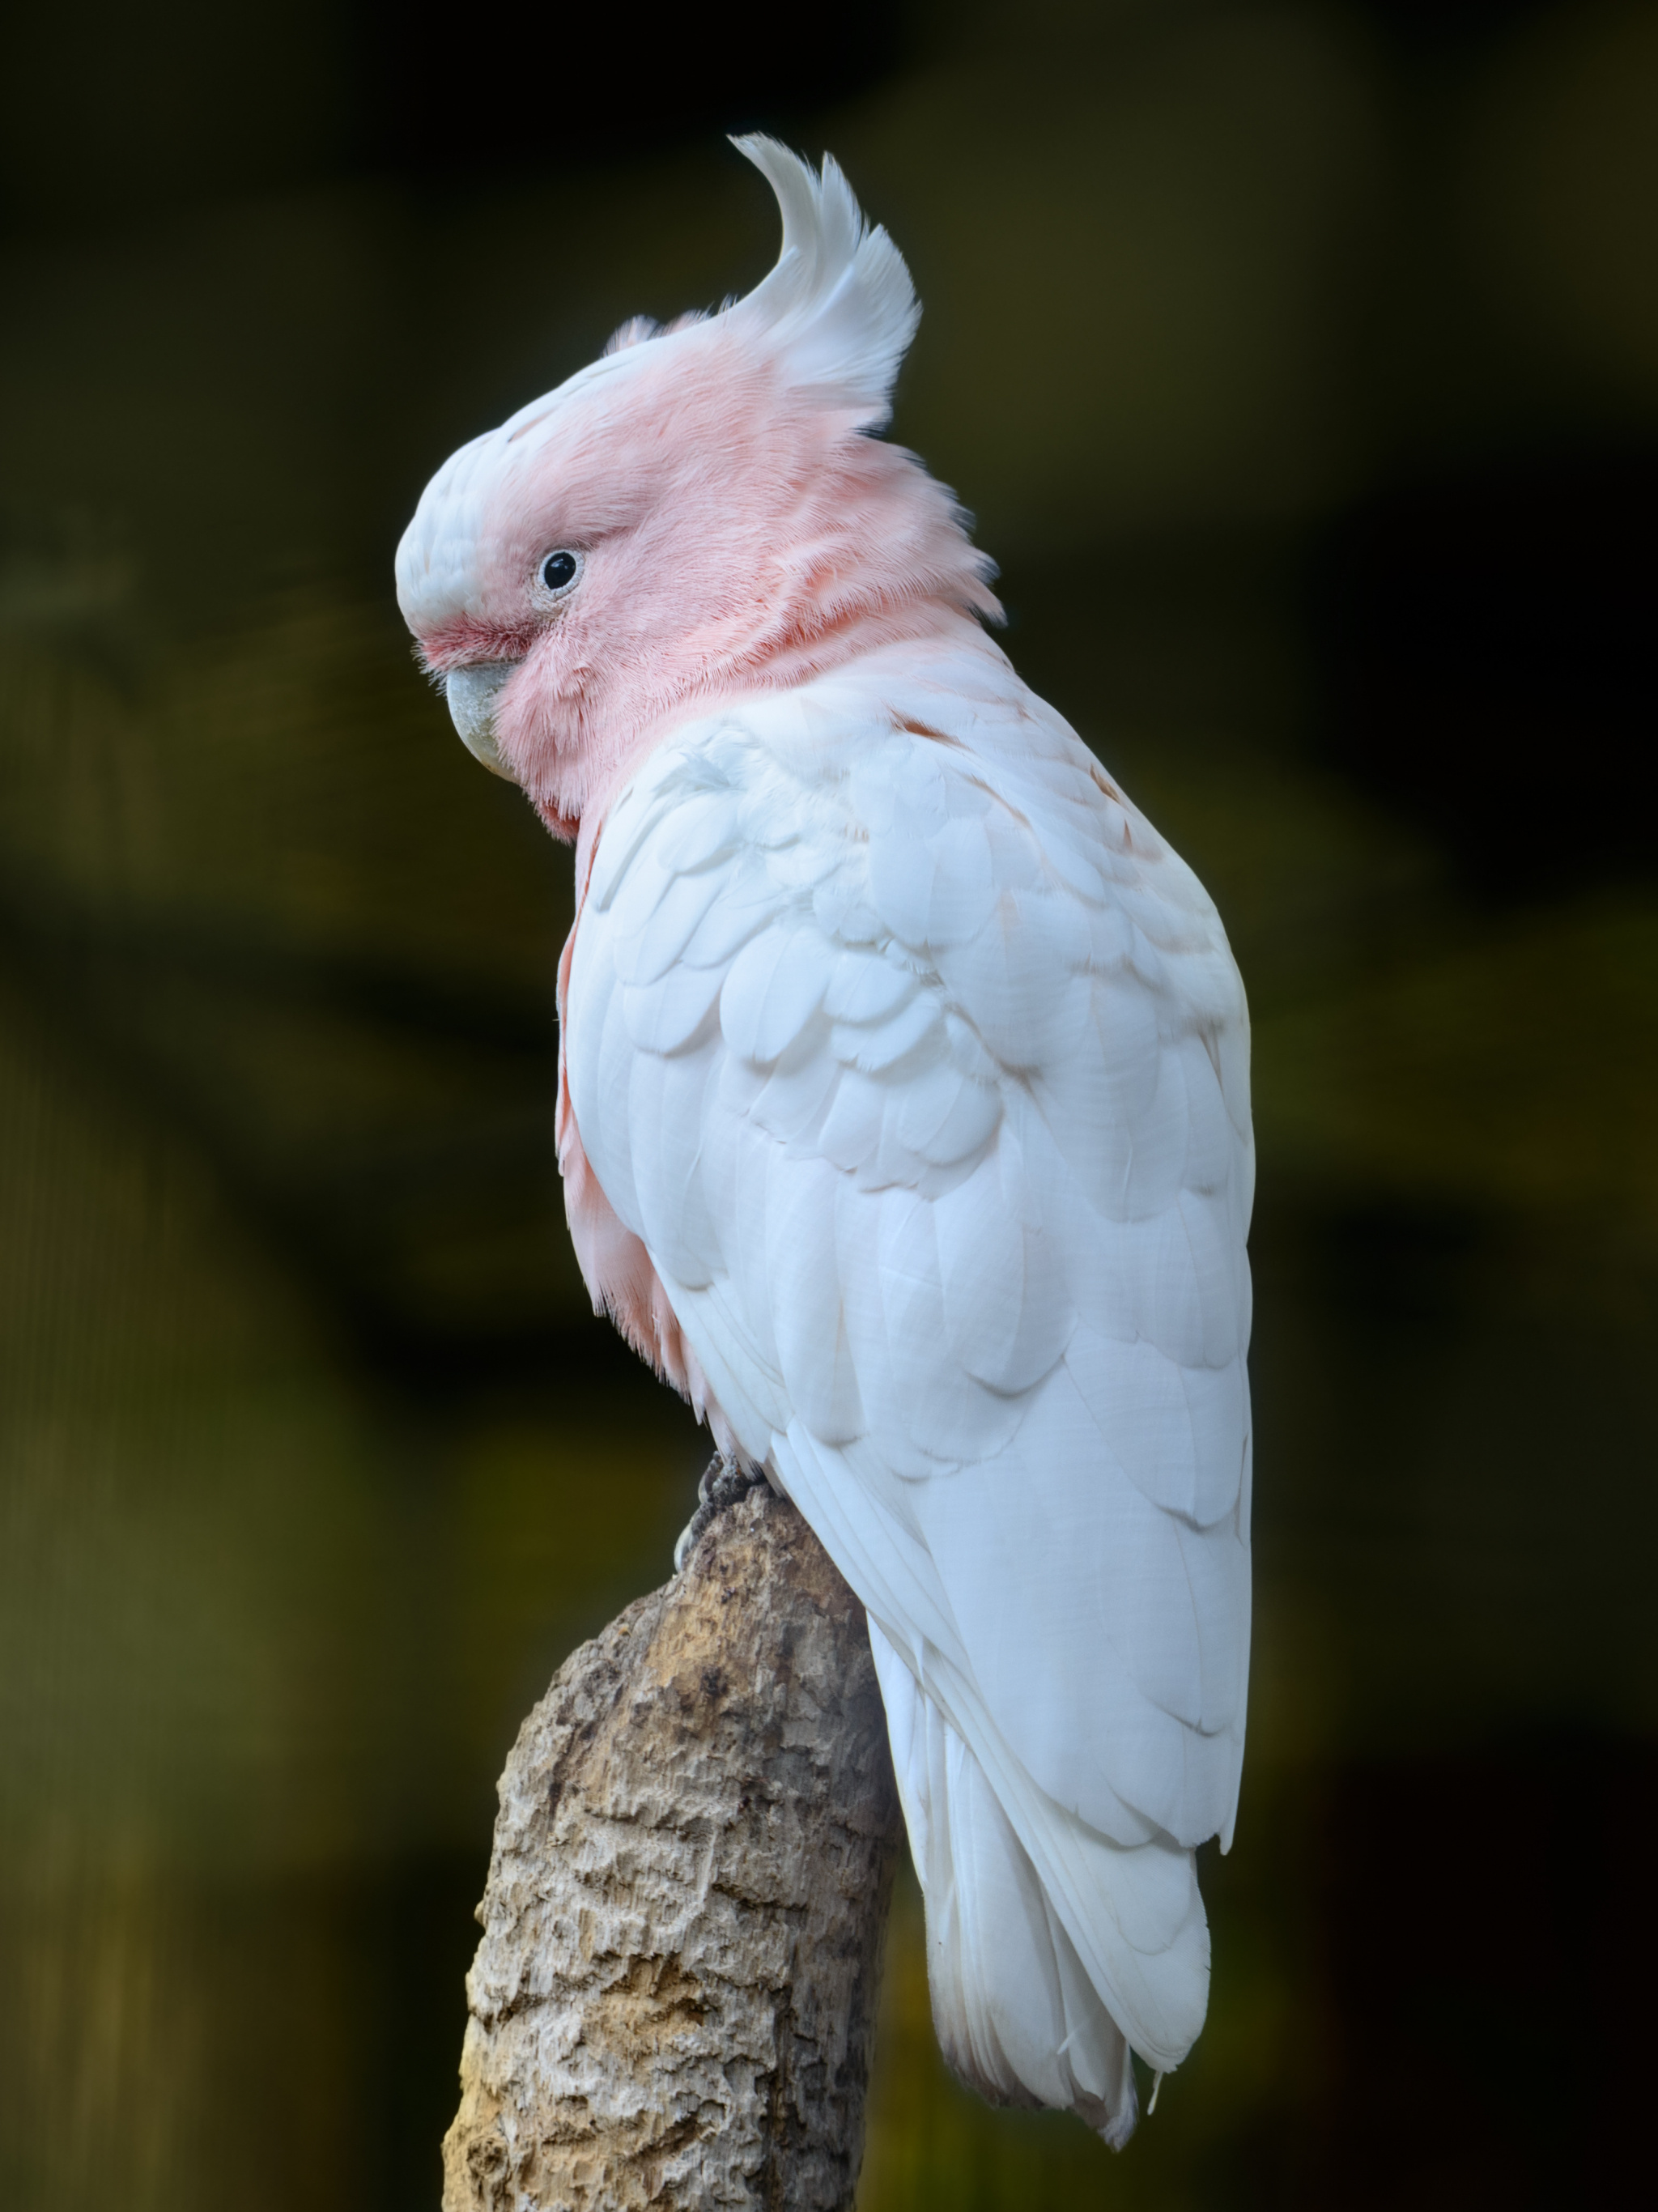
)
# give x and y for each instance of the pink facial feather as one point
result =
(736, 536)
(740, 527)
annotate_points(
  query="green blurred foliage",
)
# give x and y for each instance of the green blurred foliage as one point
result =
(314, 1462)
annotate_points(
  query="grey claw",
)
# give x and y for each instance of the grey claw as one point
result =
(724, 1481)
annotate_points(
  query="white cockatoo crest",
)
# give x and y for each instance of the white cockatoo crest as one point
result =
(838, 309)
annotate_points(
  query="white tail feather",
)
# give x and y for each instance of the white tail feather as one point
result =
(1018, 2017)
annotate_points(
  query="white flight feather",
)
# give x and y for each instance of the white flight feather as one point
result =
(921, 1072)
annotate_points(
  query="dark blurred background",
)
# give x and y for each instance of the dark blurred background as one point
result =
(1301, 363)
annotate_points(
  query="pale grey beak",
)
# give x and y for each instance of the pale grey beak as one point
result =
(471, 695)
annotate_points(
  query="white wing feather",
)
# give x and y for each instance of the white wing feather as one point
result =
(918, 1064)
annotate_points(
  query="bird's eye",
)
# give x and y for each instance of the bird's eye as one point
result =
(560, 570)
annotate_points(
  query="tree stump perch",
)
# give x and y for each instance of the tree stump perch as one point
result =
(674, 2000)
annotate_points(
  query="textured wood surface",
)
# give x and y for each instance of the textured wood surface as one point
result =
(673, 2002)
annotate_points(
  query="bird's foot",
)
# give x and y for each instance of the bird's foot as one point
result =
(724, 1481)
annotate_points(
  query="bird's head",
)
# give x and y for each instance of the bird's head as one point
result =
(701, 511)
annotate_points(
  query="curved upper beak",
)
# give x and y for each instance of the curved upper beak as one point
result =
(471, 693)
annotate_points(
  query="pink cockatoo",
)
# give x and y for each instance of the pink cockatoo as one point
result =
(904, 1107)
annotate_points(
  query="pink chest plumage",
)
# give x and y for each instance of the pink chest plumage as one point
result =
(615, 1265)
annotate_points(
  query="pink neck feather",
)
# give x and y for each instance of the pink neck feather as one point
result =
(768, 541)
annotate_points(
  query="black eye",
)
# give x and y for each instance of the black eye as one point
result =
(559, 570)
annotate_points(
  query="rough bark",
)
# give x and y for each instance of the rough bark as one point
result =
(674, 1999)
